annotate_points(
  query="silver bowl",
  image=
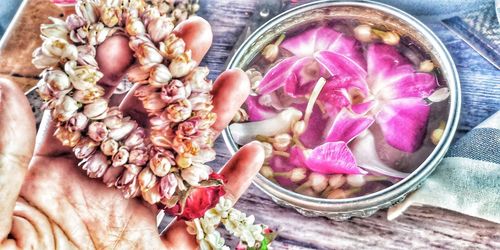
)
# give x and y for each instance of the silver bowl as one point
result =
(381, 15)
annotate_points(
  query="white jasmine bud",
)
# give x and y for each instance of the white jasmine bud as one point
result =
(41, 60)
(356, 180)
(111, 16)
(96, 109)
(281, 142)
(97, 131)
(59, 48)
(89, 95)
(318, 182)
(148, 54)
(160, 164)
(388, 37)
(135, 27)
(336, 181)
(255, 77)
(438, 133)
(181, 65)
(57, 29)
(88, 10)
(268, 149)
(109, 147)
(271, 51)
(426, 66)
(82, 77)
(159, 76)
(240, 116)
(85, 147)
(66, 137)
(159, 28)
(196, 173)
(121, 157)
(147, 179)
(267, 172)
(57, 80)
(65, 108)
(363, 33)
(298, 128)
(172, 46)
(122, 132)
(295, 175)
(196, 79)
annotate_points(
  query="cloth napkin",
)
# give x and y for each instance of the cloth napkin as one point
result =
(468, 178)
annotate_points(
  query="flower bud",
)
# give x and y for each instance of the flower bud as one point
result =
(174, 91)
(240, 116)
(122, 132)
(196, 79)
(98, 33)
(336, 181)
(121, 157)
(178, 111)
(147, 54)
(96, 165)
(337, 194)
(281, 142)
(59, 48)
(78, 122)
(97, 131)
(150, 14)
(153, 103)
(128, 176)
(131, 190)
(270, 52)
(298, 128)
(318, 182)
(66, 137)
(147, 179)
(363, 33)
(135, 138)
(87, 55)
(58, 29)
(152, 196)
(90, 95)
(96, 109)
(183, 161)
(111, 16)
(201, 101)
(298, 174)
(388, 37)
(168, 185)
(181, 65)
(196, 173)
(138, 156)
(159, 76)
(88, 10)
(159, 139)
(144, 91)
(74, 22)
(204, 155)
(426, 66)
(267, 172)
(438, 133)
(82, 77)
(41, 60)
(65, 108)
(138, 73)
(113, 122)
(268, 149)
(84, 148)
(159, 28)
(111, 176)
(356, 180)
(255, 77)
(172, 46)
(135, 27)
(109, 147)
(159, 164)
(57, 80)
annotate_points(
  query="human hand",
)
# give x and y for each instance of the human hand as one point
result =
(57, 206)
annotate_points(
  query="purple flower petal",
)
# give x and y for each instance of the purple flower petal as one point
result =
(403, 123)
(392, 76)
(323, 38)
(314, 133)
(257, 111)
(332, 158)
(297, 157)
(364, 107)
(347, 72)
(347, 126)
(276, 76)
(303, 75)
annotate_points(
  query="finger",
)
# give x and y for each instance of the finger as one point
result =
(197, 34)
(230, 91)
(239, 172)
(17, 140)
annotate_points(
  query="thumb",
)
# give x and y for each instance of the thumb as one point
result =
(17, 140)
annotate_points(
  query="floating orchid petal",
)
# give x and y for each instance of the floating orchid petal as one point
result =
(392, 76)
(314, 132)
(363, 108)
(332, 158)
(348, 73)
(276, 76)
(403, 123)
(257, 111)
(347, 126)
(303, 74)
(364, 150)
(320, 39)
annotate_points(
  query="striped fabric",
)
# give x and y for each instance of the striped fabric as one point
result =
(468, 178)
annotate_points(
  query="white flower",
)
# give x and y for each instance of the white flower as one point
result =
(57, 29)
(216, 241)
(59, 49)
(159, 28)
(88, 10)
(135, 27)
(82, 77)
(196, 173)
(57, 80)
(197, 80)
(65, 108)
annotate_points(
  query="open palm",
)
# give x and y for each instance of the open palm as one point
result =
(48, 202)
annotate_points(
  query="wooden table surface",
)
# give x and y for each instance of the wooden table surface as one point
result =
(419, 228)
